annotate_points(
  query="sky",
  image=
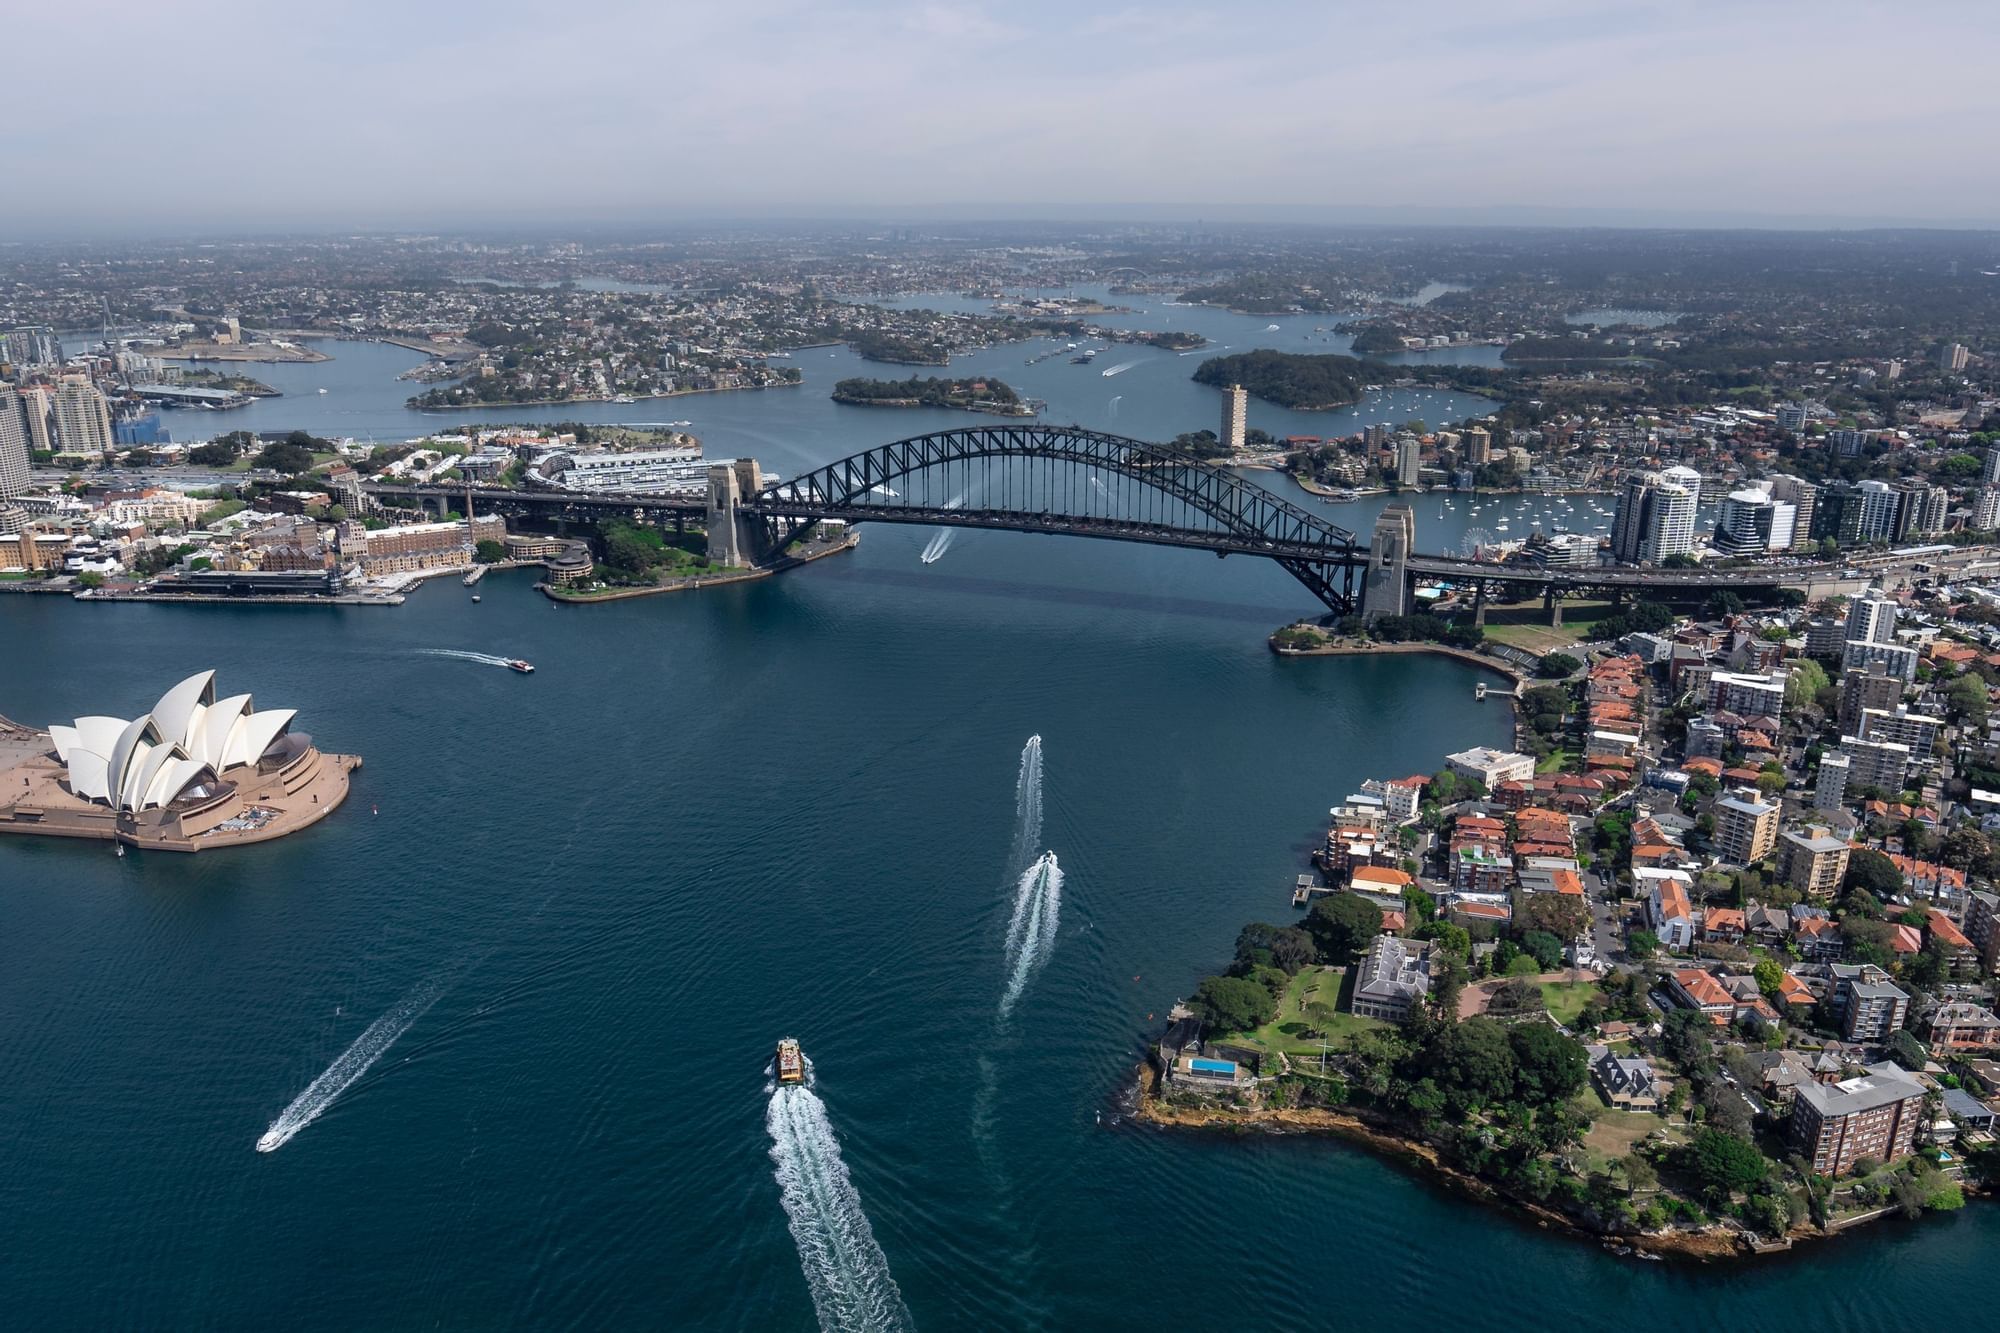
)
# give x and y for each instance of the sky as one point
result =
(447, 113)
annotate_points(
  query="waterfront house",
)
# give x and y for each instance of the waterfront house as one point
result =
(1392, 978)
(1628, 1083)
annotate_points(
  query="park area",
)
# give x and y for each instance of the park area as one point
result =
(1312, 1013)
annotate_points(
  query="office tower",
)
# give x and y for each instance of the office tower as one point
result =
(1235, 415)
(83, 418)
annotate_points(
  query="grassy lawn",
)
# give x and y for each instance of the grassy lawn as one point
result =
(1526, 625)
(1566, 999)
(1286, 1032)
(1613, 1134)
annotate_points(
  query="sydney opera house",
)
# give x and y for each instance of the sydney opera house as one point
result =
(194, 772)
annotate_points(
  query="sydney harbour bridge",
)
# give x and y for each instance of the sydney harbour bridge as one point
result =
(1070, 481)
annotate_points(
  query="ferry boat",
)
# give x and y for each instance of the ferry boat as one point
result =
(516, 664)
(791, 1065)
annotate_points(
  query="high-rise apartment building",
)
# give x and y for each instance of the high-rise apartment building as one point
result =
(1235, 416)
(1409, 460)
(1746, 828)
(1803, 497)
(1655, 519)
(1871, 618)
(1830, 791)
(1986, 508)
(32, 348)
(83, 418)
(1863, 690)
(1953, 356)
(24, 430)
(1881, 509)
(1478, 446)
(1879, 764)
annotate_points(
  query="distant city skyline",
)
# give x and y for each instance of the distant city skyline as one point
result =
(359, 114)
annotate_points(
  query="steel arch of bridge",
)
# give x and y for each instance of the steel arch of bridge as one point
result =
(1166, 497)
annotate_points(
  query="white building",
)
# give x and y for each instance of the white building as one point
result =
(1871, 618)
(1492, 767)
(678, 470)
(82, 418)
(1235, 416)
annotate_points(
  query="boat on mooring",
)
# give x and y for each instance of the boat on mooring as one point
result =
(790, 1064)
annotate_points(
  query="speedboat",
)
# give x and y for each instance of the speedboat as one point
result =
(516, 664)
(790, 1064)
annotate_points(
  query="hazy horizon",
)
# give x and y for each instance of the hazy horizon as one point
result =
(360, 115)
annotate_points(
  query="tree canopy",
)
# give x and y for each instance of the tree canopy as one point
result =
(1342, 925)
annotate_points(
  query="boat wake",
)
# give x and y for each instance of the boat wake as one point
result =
(352, 1064)
(1027, 804)
(845, 1268)
(1031, 933)
(484, 659)
(1119, 369)
(941, 542)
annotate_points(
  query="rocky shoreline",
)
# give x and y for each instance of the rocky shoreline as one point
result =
(1704, 1245)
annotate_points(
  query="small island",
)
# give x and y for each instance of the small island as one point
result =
(965, 395)
(1173, 340)
(898, 350)
(1300, 382)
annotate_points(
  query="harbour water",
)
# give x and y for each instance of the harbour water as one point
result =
(796, 806)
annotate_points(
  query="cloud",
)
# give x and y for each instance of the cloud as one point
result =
(364, 113)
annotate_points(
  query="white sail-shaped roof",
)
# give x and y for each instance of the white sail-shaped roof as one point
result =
(88, 777)
(259, 730)
(149, 760)
(210, 739)
(180, 708)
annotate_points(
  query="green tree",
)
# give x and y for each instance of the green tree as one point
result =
(1808, 678)
(1873, 873)
(1965, 697)
(489, 552)
(1770, 977)
(1342, 925)
(1723, 602)
(1641, 944)
(1548, 1066)
(1547, 950)
(1724, 1163)
(1261, 945)
(1555, 666)
(1640, 1174)
(1233, 1004)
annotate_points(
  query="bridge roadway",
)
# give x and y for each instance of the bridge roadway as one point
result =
(1816, 579)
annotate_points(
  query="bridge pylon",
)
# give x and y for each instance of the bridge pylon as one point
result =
(1386, 589)
(734, 539)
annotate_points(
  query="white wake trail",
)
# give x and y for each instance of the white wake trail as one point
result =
(1120, 368)
(941, 543)
(486, 659)
(845, 1268)
(1031, 935)
(352, 1064)
(1027, 805)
